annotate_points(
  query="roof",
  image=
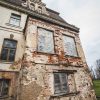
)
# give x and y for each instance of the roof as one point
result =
(53, 16)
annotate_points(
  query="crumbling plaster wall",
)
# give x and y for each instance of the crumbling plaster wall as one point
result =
(8, 31)
(6, 34)
(31, 32)
(37, 82)
(10, 70)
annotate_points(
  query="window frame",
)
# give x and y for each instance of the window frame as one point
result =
(32, 6)
(2, 80)
(44, 52)
(3, 47)
(67, 89)
(40, 9)
(14, 14)
(77, 55)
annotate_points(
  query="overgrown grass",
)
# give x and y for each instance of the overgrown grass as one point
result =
(97, 87)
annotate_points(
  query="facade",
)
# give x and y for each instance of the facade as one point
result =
(41, 55)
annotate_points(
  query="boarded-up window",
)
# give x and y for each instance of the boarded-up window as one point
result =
(8, 50)
(60, 83)
(45, 41)
(4, 87)
(69, 46)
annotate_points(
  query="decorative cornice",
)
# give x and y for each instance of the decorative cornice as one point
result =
(36, 5)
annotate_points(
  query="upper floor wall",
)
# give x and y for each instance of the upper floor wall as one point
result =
(50, 44)
(45, 42)
(12, 40)
(9, 16)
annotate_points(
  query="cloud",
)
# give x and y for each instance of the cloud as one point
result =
(86, 15)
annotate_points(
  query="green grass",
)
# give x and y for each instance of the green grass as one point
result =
(97, 87)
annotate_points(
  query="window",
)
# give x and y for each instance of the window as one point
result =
(60, 83)
(4, 87)
(45, 41)
(32, 6)
(15, 19)
(24, 0)
(69, 46)
(8, 50)
(40, 9)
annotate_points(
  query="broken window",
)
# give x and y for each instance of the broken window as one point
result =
(60, 83)
(4, 87)
(15, 19)
(8, 50)
(69, 46)
(45, 41)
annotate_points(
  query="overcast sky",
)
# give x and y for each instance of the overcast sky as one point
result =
(84, 14)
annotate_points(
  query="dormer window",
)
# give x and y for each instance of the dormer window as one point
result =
(32, 7)
(40, 9)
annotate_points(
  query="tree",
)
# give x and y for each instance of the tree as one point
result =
(97, 70)
(92, 72)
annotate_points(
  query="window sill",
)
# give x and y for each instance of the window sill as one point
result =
(65, 94)
(3, 97)
(8, 24)
(4, 62)
(44, 53)
(73, 56)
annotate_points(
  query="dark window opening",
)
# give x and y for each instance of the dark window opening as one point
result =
(8, 50)
(4, 87)
(60, 83)
(40, 9)
(32, 6)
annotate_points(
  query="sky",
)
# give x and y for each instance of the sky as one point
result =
(84, 14)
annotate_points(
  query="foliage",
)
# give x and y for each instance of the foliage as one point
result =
(97, 70)
(97, 87)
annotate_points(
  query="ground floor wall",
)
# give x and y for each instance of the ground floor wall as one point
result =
(38, 83)
(12, 90)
